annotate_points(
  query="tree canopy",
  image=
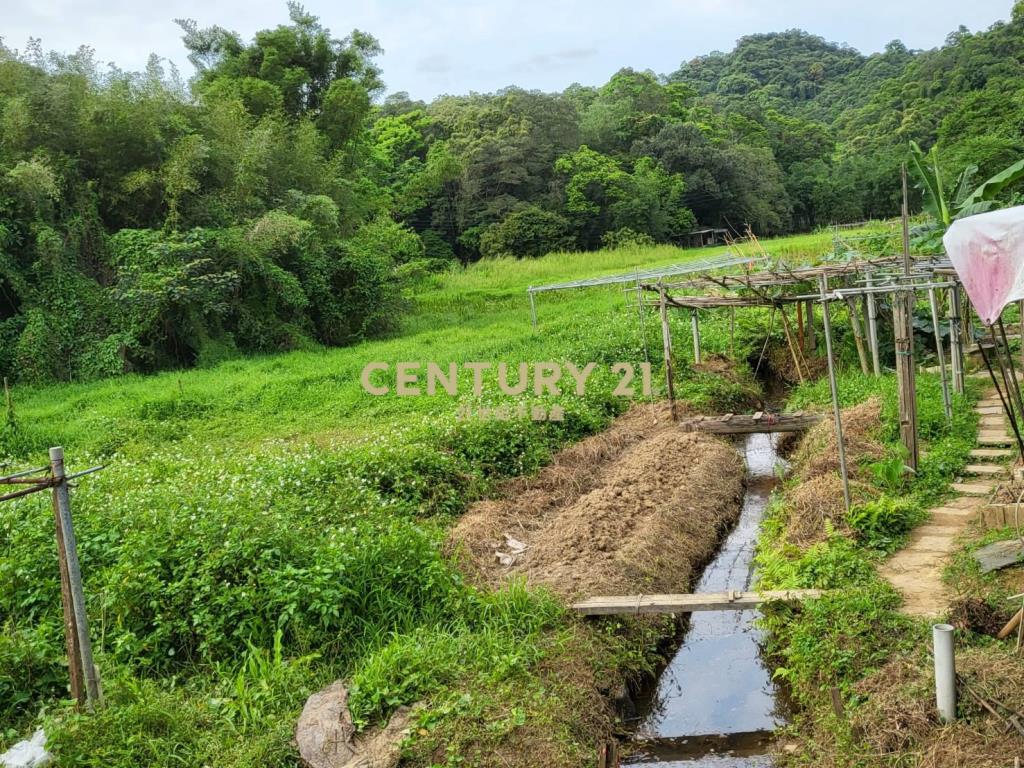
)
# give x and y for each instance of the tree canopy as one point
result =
(275, 200)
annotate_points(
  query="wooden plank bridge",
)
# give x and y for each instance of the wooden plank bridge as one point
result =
(740, 423)
(688, 603)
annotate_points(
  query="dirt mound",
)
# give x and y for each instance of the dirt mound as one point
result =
(899, 714)
(820, 499)
(817, 495)
(779, 359)
(818, 454)
(637, 509)
(975, 615)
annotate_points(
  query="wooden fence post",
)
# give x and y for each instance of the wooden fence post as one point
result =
(666, 340)
(872, 314)
(62, 505)
(956, 347)
(903, 327)
(812, 341)
(695, 327)
(70, 626)
(934, 304)
(834, 387)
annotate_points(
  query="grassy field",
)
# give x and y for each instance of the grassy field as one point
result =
(265, 526)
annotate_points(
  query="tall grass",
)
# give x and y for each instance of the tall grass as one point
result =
(267, 525)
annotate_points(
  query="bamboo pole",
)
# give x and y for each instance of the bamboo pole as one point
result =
(858, 334)
(62, 503)
(934, 304)
(790, 343)
(903, 308)
(695, 327)
(666, 340)
(956, 348)
(834, 387)
(872, 314)
(812, 341)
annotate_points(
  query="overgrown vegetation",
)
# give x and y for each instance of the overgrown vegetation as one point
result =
(846, 638)
(265, 526)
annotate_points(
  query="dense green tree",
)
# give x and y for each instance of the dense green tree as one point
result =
(531, 231)
(276, 200)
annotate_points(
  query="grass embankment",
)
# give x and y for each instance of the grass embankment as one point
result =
(265, 526)
(856, 640)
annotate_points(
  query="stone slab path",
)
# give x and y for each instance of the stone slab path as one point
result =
(916, 570)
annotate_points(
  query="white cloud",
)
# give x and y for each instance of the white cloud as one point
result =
(462, 45)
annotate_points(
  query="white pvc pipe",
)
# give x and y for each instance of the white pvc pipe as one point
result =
(945, 672)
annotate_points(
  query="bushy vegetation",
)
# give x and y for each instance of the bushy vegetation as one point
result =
(264, 527)
(841, 639)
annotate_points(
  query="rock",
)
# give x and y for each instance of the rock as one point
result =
(325, 732)
(30, 753)
(326, 736)
(1000, 554)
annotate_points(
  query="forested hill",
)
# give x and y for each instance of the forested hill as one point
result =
(278, 199)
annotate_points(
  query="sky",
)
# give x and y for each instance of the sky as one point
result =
(432, 47)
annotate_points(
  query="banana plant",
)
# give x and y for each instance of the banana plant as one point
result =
(966, 199)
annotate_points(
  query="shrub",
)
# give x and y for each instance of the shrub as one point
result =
(529, 232)
(626, 238)
(882, 522)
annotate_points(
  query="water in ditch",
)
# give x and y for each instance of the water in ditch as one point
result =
(715, 704)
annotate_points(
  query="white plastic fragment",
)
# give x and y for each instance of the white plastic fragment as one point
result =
(30, 753)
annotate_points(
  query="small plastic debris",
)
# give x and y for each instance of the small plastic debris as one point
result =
(515, 546)
(30, 753)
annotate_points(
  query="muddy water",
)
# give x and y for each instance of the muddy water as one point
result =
(715, 703)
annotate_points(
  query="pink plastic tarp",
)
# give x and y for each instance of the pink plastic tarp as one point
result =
(987, 252)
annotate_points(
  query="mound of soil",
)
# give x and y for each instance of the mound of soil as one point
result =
(817, 495)
(818, 454)
(899, 713)
(779, 360)
(638, 508)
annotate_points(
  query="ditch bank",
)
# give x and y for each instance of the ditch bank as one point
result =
(639, 508)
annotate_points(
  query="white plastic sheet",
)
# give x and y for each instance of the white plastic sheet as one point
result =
(987, 252)
(27, 754)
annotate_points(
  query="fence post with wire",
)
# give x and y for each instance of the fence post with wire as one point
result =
(84, 678)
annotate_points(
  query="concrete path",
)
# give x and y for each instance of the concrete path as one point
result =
(916, 570)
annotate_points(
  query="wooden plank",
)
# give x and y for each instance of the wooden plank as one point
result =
(735, 424)
(688, 603)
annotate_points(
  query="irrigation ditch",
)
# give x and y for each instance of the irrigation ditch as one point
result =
(715, 703)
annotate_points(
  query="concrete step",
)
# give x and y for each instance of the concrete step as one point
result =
(965, 502)
(990, 410)
(951, 516)
(992, 422)
(939, 544)
(973, 489)
(988, 470)
(992, 454)
(994, 438)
